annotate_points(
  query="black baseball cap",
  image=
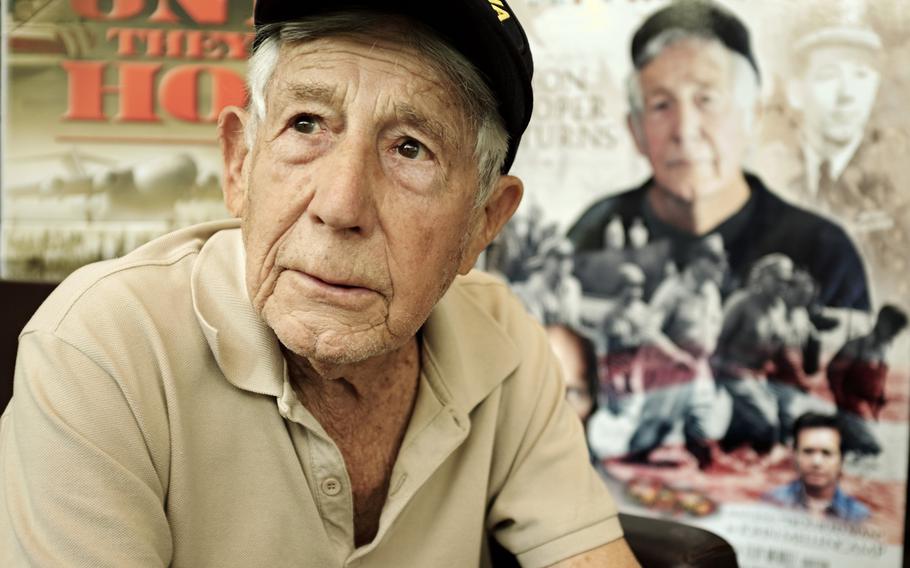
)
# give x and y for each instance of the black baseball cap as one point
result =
(700, 17)
(486, 32)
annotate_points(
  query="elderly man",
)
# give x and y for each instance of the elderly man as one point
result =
(309, 387)
(693, 99)
(818, 457)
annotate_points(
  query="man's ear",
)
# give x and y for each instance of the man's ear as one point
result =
(234, 152)
(492, 217)
(638, 136)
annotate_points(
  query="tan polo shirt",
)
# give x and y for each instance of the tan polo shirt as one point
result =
(153, 425)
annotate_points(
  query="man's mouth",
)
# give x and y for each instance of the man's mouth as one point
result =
(335, 283)
(689, 162)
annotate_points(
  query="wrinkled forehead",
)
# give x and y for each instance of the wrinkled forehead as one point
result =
(371, 52)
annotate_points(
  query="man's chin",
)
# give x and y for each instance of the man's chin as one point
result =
(817, 485)
(334, 349)
(842, 136)
(688, 191)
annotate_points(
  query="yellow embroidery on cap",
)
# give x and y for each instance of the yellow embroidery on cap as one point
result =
(497, 5)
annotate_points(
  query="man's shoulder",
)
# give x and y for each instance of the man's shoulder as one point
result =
(482, 328)
(849, 508)
(149, 275)
(811, 240)
(776, 210)
(488, 294)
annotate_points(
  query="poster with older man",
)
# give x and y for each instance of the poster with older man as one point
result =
(715, 233)
(714, 230)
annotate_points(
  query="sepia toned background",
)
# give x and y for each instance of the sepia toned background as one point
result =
(76, 191)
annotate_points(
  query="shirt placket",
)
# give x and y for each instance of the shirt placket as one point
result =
(325, 472)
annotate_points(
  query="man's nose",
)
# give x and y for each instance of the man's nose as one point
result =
(688, 123)
(342, 196)
(845, 89)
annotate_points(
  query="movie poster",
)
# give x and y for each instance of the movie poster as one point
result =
(109, 111)
(697, 338)
(703, 342)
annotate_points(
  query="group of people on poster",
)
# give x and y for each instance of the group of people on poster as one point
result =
(710, 284)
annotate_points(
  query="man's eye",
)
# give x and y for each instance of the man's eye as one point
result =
(413, 150)
(306, 124)
(706, 99)
(825, 74)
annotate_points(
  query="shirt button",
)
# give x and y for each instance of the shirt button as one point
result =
(331, 486)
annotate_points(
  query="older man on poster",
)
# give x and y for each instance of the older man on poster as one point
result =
(314, 385)
(693, 106)
(839, 163)
(834, 88)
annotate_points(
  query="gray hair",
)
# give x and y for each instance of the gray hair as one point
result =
(744, 77)
(472, 94)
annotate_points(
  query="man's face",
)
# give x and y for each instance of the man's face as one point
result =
(358, 206)
(818, 458)
(692, 130)
(836, 93)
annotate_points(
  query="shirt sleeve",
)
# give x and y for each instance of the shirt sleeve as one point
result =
(78, 486)
(552, 504)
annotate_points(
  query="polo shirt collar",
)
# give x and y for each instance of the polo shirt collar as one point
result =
(467, 353)
(244, 347)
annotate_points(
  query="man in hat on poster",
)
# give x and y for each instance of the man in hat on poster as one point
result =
(313, 385)
(694, 103)
(837, 162)
(833, 88)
